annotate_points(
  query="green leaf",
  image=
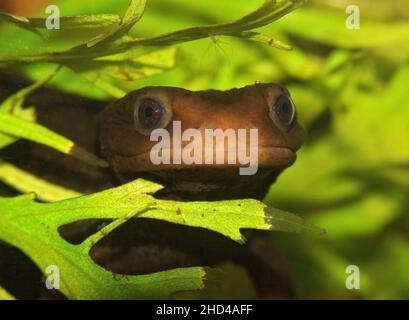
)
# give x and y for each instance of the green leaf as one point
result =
(132, 15)
(83, 21)
(4, 295)
(128, 66)
(16, 100)
(20, 128)
(322, 25)
(383, 117)
(33, 228)
(322, 185)
(368, 216)
(19, 21)
(26, 182)
(388, 268)
(267, 13)
(228, 217)
(133, 66)
(68, 22)
(134, 12)
(258, 37)
(101, 81)
(14, 105)
(81, 278)
(6, 140)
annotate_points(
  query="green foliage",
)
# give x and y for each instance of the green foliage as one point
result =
(17, 127)
(127, 66)
(14, 105)
(132, 15)
(350, 87)
(26, 182)
(110, 61)
(77, 22)
(4, 295)
(352, 176)
(33, 227)
(116, 40)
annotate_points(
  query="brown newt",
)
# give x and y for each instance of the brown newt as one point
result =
(122, 130)
(125, 127)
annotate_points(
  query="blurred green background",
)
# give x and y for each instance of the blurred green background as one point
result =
(351, 89)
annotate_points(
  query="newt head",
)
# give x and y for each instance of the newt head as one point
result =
(199, 144)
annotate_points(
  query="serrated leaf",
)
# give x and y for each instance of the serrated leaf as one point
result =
(116, 41)
(229, 217)
(68, 22)
(14, 126)
(33, 228)
(132, 15)
(83, 21)
(265, 14)
(19, 21)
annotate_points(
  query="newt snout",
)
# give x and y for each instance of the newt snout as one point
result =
(203, 140)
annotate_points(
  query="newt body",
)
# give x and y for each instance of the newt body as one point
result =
(266, 108)
(122, 131)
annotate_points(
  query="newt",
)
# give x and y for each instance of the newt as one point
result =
(125, 129)
(121, 135)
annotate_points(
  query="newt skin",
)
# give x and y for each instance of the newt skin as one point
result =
(247, 108)
(143, 246)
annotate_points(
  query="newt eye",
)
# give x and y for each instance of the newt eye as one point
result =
(283, 112)
(150, 114)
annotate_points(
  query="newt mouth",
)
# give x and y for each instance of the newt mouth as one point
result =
(272, 157)
(208, 181)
